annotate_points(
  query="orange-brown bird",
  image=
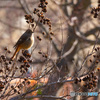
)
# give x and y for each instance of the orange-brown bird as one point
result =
(25, 42)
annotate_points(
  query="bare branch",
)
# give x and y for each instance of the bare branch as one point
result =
(70, 50)
(83, 38)
(45, 96)
(49, 84)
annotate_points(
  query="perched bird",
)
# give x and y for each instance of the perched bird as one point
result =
(26, 41)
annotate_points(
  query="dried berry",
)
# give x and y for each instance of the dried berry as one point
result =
(5, 48)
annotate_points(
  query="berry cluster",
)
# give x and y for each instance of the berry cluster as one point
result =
(29, 20)
(24, 67)
(43, 54)
(42, 5)
(43, 20)
(90, 81)
(39, 38)
(1, 85)
(25, 60)
(26, 54)
(40, 13)
(95, 11)
(9, 68)
(17, 88)
(96, 56)
(5, 67)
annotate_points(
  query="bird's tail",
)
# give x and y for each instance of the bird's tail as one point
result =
(16, 51)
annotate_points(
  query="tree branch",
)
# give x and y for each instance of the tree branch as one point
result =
(83, 38)
(45, 96)
(49, 84)
(70, 50)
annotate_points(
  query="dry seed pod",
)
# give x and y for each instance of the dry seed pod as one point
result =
(5, 48)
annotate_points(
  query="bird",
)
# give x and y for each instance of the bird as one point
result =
(25, 42)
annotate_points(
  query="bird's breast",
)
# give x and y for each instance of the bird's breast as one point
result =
(28, 43)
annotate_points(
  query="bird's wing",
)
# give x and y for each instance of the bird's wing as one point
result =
(22, 39)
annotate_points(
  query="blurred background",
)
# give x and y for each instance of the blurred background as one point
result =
(75, 33)
(13, 23)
